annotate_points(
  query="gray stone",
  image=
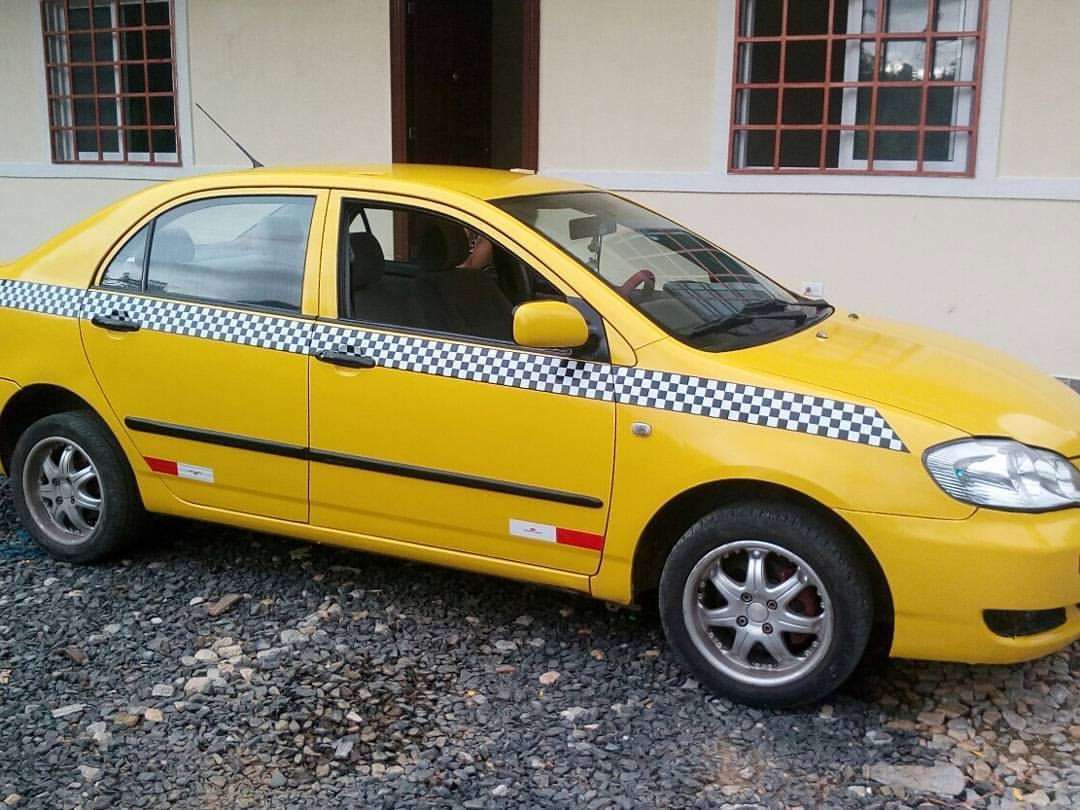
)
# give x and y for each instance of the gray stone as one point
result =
(943, 780)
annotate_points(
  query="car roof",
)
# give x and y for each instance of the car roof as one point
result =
(484, 184)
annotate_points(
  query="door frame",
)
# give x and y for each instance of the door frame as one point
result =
(530, 83)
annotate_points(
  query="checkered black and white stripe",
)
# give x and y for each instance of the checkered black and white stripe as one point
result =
(48, 299)
(699, 396)
(497, 366)
(768, 407)
(211, 323)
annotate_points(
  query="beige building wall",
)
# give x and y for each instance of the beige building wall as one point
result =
(1040, 135)
(22, 85)
(294, 82)
(627, 84)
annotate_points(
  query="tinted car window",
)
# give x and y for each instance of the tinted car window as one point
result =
(125, 271)
(408, 268)
(247, 251)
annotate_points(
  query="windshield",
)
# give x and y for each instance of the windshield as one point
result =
(692, 289)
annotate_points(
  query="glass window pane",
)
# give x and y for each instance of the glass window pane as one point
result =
(906, 15)
(754, 148)
(895, 146)
(86, 140)
(805, 61)
(957, 15)
(110, 143)
(80, 47)
(954, 60)
(107, 113)
(867, 54)
(756, 107)
(808, 18)
(800, 148)
(131, 45)
(899, 105)
(161, 77)
(164, 142)
(235, 250)
(948, 106)
(130, 14)
(126, 269)
(945, 147)
(761, 18)
(82, 80)
(804, 105)
(903, 60)
(162, 111)
(157, 12)
(158, 45)
(759, 62)
(138, 142)
(106, 81)
(103, 48)
(84, 112)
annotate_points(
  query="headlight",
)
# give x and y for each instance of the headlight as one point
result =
(1004, 474)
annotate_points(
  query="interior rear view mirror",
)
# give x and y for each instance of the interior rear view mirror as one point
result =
(591, 227)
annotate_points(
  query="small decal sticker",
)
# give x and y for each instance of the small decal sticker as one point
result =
(181, 470)
(556, 534)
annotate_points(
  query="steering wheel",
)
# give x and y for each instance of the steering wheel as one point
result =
(645, 279)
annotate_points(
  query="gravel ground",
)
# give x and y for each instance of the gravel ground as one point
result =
(219, 668)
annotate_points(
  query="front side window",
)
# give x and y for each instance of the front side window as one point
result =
(878, 86)
(111, 81)
(402, 267)
(692, 289)
(245, 251)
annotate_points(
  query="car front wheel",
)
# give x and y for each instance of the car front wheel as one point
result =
(74, 491)
(766, 604)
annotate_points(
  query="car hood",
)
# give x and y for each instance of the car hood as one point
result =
(970, 387)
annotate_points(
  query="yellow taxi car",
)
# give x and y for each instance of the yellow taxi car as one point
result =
(532, 378)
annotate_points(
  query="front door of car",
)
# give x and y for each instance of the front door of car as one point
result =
(197, 335)
(428, 425)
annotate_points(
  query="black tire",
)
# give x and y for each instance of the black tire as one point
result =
(833, 558)
(122, 517)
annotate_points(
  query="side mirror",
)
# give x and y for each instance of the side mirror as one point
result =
(549, 325)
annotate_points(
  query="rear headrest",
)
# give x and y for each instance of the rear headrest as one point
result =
(368, 261)
(172, 245)
(442, 244)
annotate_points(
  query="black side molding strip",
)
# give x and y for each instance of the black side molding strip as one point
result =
(213, 437)
(457, 479)
(360, 462)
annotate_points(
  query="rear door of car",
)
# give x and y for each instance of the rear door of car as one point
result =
(428, 424)
(197, 330)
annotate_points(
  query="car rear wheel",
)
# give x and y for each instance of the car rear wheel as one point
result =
(766, 604)
(74, 491)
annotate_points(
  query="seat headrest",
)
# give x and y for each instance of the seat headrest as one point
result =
(172, 245)
(368, 261)
(442, 244)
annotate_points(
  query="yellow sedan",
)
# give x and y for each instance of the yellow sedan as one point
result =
(540, 380)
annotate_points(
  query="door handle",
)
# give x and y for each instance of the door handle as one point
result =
(116, 323)
(346, 359)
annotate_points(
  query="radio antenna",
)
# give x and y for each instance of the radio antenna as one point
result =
(255, 164)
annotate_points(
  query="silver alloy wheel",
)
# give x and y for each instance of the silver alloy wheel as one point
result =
(63, 490)
(757, 612)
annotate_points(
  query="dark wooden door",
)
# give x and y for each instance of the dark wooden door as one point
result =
(448, 85)
(448, 104)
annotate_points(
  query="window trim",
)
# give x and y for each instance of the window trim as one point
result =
(44, 167)
(309, 278)
(599, 354)
(869, 166)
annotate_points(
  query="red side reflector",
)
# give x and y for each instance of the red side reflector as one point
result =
(160, 465)
(569, 537)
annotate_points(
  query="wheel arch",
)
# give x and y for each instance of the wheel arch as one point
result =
(673, 519)
(30, 404)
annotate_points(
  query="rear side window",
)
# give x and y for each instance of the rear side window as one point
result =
(245, 251)
(125, 271)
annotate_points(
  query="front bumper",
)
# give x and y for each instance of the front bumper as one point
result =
(943, 574)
